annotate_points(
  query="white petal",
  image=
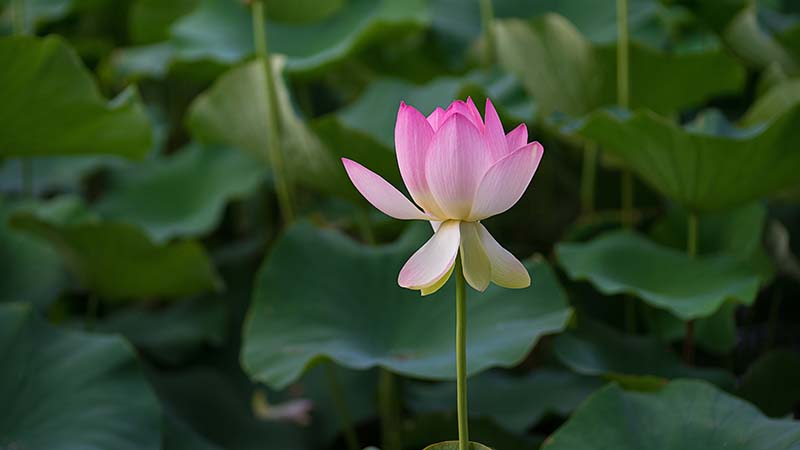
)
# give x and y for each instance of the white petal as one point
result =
(381, 194)
(433, 260)
(507, 271)
(474, 260)
(439, 283)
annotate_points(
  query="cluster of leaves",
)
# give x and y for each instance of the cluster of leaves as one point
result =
(152, 296)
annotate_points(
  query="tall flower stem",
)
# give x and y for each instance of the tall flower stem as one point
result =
(389, 409)
(487, 22)
(691, 250)
(588, 173)
(461, 356)
(345, 417)
(274, 127)
(623, 100)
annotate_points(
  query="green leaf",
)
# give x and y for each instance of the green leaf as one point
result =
(771, 383)
(453, 445)
(30, 270)
(65, 389)
(51, 105)
(707, 166)
(515, 403)
(174, 333)
(598, 350)
(715, 334)
(221, 30)
(685, 415)
(777, 101)
(193, 187)
(624, 262)
(150, 20)
(320, 295)
(36, 12)
(566, 73)
(118, 261)
(420, 430)
(233, 112)
(55, 173)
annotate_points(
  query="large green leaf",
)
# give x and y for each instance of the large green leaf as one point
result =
(707, 166)
(221, 30)
(623, 262)
(117, 260)
(771, 383)
(598, 350)
(193, 187)
(51, 105)
(321, 295)
(686, 415)
(233, 112)
(34, 12)
(515, 403)
(564, 72)
(64, 390)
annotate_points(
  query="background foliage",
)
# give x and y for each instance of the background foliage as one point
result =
(153, 295)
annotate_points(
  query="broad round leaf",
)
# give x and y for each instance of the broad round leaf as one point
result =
(703, 168)
(566, 73)
(453, 445)
(63, 390)
(51, 105)
(192, 186)
(623, 262)
(321, 295)
(684, 415)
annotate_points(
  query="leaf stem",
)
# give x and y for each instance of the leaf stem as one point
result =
(345, 417)
(588, 172)
(487, 22)
(691, 250)
(461, 356)
(274, 126)
(627, 199)
(389, 408)
(623, 100)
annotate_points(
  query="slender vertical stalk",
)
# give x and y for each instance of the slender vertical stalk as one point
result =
(487, 22)
(274, 127)
(389, 408)
(623, 100)
(461, 356)
(341, 407)
(588, 173)
(691, 250)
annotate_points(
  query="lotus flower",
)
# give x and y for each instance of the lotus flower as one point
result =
(459, 170)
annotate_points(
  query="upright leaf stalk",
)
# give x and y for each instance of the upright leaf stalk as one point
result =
(274, 127)
(461, 356)
(691, 250)
(623, 100)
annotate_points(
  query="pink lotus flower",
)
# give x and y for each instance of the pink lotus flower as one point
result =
(459, 170)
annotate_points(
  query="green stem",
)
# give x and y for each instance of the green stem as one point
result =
(630, 314)
(341, 406)
(487, 22)
(691, 250)
(627, 199)
(389, 408)
(461, 356)
(274, 129)
(588, 172)
(623, 84)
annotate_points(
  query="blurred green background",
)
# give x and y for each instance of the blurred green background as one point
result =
(185, 265)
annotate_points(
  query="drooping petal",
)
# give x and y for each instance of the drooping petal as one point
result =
(474, 260)
(506, 181)
(436, 118)
(381, 194)
(432, 260)
(412, 134)
(495, 136)
(466, 109)
(456, 162)
(438, 283)
(517, 137)
(507, 271)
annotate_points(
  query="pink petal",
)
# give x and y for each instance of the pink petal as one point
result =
(466, 109)
(495, 136)
(507, 271)
(517, 137)
(436, 118)
(381, 194)
(412, 134)
(433, 260)
(506, 181)
(474, 260)
(456, 162)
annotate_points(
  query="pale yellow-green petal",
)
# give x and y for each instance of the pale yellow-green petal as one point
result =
(474, 260)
